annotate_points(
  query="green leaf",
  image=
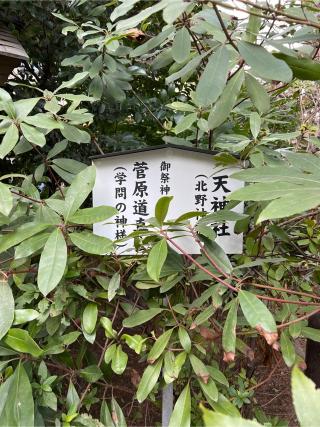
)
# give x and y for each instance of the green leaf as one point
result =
(204, 315)
(263, 63)
(305, 399)
(6, 200)
(218, 255)
(302, 68)
(199, 368)
(69, 165)
(159, 346)
(91, 243)
(18, 408)
(141, 316)
(229, 329)
(31, 245)
(91, 373)
(57, 149)
(266, 191)
(287, 349)
(209, 389)
(9, 140)
(105, 416)
(218, 419)
(181, 45)
(107, 326)
(156, 259)
(294, 203)
(187, 69)
(6, 308)
(119, 361)
(52, 263)
(148, 381)
(311, 333)
(44, 121)
(22, 233)
(79, 190)
(33, 135)
(119, 419)
(226, 102)
(256, 313)
(184, 338)
(255, 124)
(151, 43)
(209, 89)
(162, 207)
(258, 94)
(113, 286)
(93, 215)
(89, 317)
(136, 342)
(181, 415)
(21, 341)
(181, 106)
(73, 134)
(185, 123)
(77, 79)
(24, 315)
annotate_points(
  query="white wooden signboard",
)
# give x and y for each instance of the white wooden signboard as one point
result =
(133, 181)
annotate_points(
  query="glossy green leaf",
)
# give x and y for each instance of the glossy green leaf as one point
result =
(6, 199)
(22, 233)
(21, 341)
(263, 63)
(181, 45)
(119, 361)
(113, 286)
(156, 259)
(118, 416)
(89, 317)
(229, 329)
(79, 190)
(256, 312)
(93, 215)
(209, 89)
(105, 415)
(255, 124)
(302, 68)
(209, 389)
(9, 141)
(107, 326)
(162, 207)
(148, 381)
(311, 333)
(287, 349)
(18, 408)
(159, 346)
(52, 263)
(135, 342)
(73, 398)
(305, 399)
(184, 339)
(185, 123)
(152, 43)
(218, 255)
(6, 308)
(140, 317)
(211, 419)
(181, 415)
(24, 315)
(91, 243)
(199, 368)
(44, 121)
(91, 373)
(226, 102)
(77, 79)
(258, 94)
(31, 245)
(33, 135)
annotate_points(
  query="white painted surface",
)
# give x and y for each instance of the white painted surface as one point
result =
(187, 169)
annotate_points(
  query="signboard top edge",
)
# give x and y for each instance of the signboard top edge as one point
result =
(153, 148)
